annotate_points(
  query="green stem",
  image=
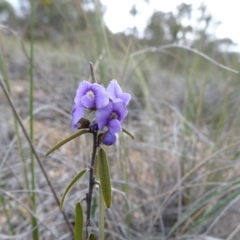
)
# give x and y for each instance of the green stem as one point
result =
(6, 211)
(19, 140)
(2, 85)
(32, 165)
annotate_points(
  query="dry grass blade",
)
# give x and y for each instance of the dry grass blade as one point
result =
(195, 168)
(156, 49)
(236, 230)
(30, 211)
(33, 149)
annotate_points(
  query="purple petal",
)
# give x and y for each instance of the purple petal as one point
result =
(114, 89)
(87, 101)
(77, 114)
(115, 92)
(120, 109)
(101, 97)
(102, 115)
(126, 97)
(98, 87)
(115, 125)
(109, 138)
(83, 88)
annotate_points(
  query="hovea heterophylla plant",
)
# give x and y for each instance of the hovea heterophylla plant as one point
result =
(109, 108)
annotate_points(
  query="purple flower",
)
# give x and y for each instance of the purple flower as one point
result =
(109, 105)
(88, 96)
(109, 137)
(114, 110)
(111, 116)
(77, 114)
(115, 92)
(91, 95)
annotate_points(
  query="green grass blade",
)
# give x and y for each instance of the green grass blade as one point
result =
(101, 216)
(213, 211)
(205, 201)
(6, 213)
(78, 228)
(31, 130)
(58, 145)
(3, 68)
(70, 185)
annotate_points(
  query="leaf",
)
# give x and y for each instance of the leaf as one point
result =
(104, 176)
(58, 145)
(70, 185)
(78, 228)
(91, 237)
(128, 133)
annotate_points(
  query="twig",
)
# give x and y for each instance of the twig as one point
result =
(94, 80)
(33, 149)
(91, 182)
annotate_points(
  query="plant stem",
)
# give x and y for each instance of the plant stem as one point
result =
(35, 233)
(91, 182)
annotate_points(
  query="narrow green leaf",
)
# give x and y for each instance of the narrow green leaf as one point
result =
(104, 176)
(58, 145)
(70, 185)
(91, 237)
(78, 228)
(128, 133)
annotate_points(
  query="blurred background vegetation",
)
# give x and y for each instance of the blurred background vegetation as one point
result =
(179, 178)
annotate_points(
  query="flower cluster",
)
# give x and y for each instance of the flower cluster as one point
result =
(110, 106)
